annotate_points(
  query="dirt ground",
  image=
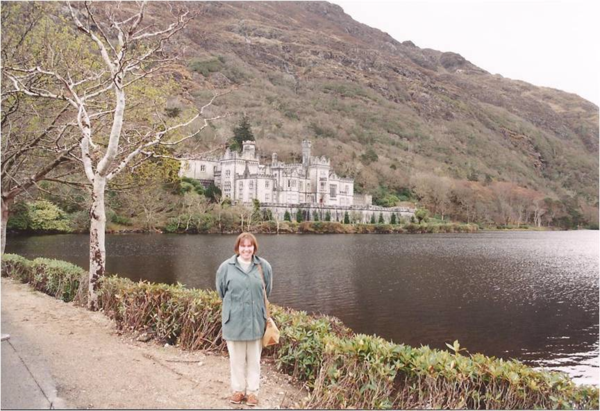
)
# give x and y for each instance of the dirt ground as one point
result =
(95, 367)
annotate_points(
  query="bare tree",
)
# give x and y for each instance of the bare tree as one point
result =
(33, 148)
(125, 52)
(433, 192)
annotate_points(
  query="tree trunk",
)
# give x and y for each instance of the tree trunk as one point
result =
(97, 241)
(6, 203)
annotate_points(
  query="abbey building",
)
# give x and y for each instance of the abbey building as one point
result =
(242, 178)
(311, 186)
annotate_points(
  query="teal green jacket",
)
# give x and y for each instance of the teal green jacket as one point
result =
(244, 315)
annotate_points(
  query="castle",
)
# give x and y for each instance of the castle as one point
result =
(311, 185)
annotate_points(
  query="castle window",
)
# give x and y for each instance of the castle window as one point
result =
(267, 198)
(202, 167)
(241, 185)
(227, 173)
(293, 183)
(214, 169)
(251, 185)
(301, 186)
(267, 184)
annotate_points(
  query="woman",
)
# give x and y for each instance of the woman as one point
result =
(240, 286)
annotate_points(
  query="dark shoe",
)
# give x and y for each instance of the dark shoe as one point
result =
(237, 398)
(252, 400)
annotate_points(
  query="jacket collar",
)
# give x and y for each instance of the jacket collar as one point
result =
(233, 259)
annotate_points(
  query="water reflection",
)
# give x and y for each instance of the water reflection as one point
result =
(529, 295)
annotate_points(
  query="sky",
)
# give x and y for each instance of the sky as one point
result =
(547, 43)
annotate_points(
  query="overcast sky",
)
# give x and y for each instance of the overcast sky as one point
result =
(546, 43)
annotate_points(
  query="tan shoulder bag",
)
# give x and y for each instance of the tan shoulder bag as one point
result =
(271, 336)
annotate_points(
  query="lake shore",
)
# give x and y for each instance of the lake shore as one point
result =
(94, 366)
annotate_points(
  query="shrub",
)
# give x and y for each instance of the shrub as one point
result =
(53, 277)
(80, 221)
(302, 342)
(171, 313)
(16, 267)
(19, 217)
(268, 227)
(383, 229)
(367, 372)
(56, 278)
(344, 370)
(422, 215)
(40, 216)
(122, 220)
(205, 67)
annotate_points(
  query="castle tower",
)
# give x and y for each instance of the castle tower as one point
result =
(306, 144)
(249, 149)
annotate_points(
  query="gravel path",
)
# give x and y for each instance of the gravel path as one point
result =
(93, 366)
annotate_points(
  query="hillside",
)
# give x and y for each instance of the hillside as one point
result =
(309, 70)
(416, 123)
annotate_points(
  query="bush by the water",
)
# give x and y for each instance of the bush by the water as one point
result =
(343, 369)
(57, 278)
(39, 216)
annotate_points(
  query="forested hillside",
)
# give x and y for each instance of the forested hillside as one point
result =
(408, 124)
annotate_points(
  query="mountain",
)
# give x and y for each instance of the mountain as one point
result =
(385, 111)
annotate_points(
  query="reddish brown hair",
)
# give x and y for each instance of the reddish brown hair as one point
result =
(245, 236)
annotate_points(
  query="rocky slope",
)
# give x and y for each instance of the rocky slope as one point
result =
(308, 70)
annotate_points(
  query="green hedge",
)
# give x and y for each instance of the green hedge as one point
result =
(59, 279)
(343, 369)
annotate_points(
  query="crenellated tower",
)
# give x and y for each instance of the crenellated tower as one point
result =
(306, 145)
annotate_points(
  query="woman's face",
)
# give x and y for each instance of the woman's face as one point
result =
(246, 249)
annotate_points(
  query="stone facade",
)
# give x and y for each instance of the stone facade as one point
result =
(242, 178)
(310, 185)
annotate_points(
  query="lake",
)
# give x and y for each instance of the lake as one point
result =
(532, 296)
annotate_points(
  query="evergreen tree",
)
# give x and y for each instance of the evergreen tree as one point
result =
(287, 216)
(299, 216)
(372, 218)
(256, 214)
(213, 193)
(315, 216)
(327, 216)
(267, 215)
(346, 218)
(381, 220)
(393, 219)
(241, 133)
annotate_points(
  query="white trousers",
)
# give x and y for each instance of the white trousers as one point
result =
(244, 361)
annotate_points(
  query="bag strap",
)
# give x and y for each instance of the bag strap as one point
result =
(262, 275)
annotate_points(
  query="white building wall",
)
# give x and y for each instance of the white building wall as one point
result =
(199, 169)
(310, 182)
